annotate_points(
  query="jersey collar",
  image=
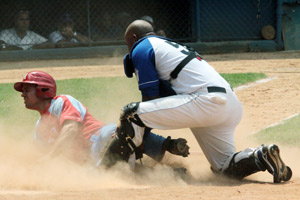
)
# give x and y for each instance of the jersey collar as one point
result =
(140, 40)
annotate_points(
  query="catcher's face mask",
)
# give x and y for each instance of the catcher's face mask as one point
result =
(128, 66)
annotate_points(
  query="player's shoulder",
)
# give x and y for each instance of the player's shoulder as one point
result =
(34, 36)
(146, 41)
(7, 32)
(64, 97)
(146, 44)
(55, 34)
(156, 39)
(61, 101)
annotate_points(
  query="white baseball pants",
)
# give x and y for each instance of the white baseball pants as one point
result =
(212, 117)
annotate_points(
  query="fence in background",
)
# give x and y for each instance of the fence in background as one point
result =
(104, 21)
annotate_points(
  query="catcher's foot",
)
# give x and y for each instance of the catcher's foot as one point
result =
(269, 156)
(177, 146)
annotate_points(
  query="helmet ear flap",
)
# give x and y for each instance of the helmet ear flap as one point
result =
(42, 92)
(38, 91)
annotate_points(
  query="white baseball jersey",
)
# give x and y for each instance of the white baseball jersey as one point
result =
(160, 57)
(205, 103)
(10, 37)
(56, 36)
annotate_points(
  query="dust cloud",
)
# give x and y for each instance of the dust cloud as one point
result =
(23, 168)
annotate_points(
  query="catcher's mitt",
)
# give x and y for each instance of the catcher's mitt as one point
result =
(177, 146)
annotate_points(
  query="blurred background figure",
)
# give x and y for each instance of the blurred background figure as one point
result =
(110, 26)
(149, 19)
(66, 36)
(20, 37)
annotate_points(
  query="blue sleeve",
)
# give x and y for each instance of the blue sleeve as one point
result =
(153, 146)
(150, 91)
(143, 58)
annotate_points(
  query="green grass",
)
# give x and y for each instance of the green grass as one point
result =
(241, 79)
(287, 132)
(104, 98)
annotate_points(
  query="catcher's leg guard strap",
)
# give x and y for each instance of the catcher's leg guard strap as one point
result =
(129, 113)
(125, 129)
(244, 167)
(119, 149)
(122, 145)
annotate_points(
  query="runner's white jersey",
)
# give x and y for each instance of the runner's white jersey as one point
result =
(161, 56)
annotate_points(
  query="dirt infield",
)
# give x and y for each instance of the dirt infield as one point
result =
(264, 104)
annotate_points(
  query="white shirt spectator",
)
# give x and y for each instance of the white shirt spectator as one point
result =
(10, 37)
(56, 36)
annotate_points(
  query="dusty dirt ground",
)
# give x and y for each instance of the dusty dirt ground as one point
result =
(264, 104)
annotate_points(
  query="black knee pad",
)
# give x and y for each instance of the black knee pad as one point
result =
(129, 113)
(128, 116)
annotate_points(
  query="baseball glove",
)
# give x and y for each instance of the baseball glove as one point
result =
(177, 146)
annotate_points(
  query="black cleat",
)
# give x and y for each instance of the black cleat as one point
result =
(269, 156)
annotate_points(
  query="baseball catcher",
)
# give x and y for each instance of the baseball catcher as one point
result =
(200, 99)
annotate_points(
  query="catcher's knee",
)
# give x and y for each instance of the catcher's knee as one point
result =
(129, 113)
(128, 116)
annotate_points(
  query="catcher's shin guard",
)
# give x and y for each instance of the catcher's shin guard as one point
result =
(118, 150)
(244, 167)
(263, 158)
(121, 146)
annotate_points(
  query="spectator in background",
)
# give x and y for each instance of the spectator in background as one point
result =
(109, 27)
(149, 19)
(20, 37)
(66, 36)
(103, 27)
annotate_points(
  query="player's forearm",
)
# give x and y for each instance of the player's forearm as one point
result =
(82, 38)
(66, 44)
(5, 47)
(69, 132)
(44, 45)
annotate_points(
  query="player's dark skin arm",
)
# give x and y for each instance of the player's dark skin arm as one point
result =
(66, 44)
(9, 47)
(44, 45)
